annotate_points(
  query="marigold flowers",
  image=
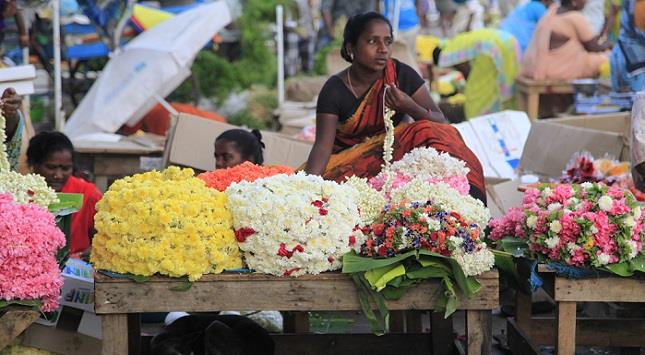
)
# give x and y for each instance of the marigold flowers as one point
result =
(30, 240)
(293, 225)
(164, 222)
(220, 179)
(580, 225)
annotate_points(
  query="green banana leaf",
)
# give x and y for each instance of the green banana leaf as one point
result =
(379, 278)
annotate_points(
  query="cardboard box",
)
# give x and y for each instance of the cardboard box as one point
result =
(190, 143)
(497, 140)
(502, 194)
(551, 143)
(78, 287)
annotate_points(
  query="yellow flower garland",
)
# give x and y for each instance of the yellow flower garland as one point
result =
(164, 222)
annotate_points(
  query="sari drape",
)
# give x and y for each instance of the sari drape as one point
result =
(358, 146)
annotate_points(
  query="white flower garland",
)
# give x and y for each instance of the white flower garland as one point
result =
(471, 209)
(27, 188)
(370, 201)
(294, 225)
(4, 160)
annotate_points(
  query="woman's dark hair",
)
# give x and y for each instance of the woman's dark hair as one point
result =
(45, 143)
(355, 26)
(565, 3)
(248, 143)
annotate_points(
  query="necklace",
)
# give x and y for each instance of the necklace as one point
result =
(349, 81)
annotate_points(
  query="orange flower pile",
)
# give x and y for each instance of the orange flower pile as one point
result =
(221, 179)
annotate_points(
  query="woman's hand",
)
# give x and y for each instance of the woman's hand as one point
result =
(10, 104)
(399, 101)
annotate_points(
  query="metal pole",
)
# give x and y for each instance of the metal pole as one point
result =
(280, 40)
(58, 84)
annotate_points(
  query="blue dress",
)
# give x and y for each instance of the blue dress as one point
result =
(631, 42)
(522, 21)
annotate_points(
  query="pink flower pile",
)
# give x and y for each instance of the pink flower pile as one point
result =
(30, 240)
(580, 225)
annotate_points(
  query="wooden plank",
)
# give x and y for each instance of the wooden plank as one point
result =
(13, 321)
(414, 321)
(565, 328)
(593, 332)
(341, 344)
(479, 332)
(523, 312)
(115, 334)
(332, 291)
(606, 289)
(441, 333)
(518, 341)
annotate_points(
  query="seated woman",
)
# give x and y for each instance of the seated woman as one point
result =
(628, 55)
(563, 46)
(51, 155)
(488, 59)
(350, 126)
(237, 146)
(521, 22)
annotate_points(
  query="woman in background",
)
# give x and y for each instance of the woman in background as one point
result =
(521, 22)
(51, 155)
(628, 55)
(237, 146)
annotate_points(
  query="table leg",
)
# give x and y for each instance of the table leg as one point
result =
(479, 332)
(115, 334)
(533, 106)
(566, 328)
(521, 100)
(523, 312)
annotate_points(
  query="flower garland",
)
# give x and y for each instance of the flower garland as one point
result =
(30, 240)
(164, 222)
(4, 160)
(294, 225)
(30, 188)
(429, 165)
(221, 179)
(579, 225)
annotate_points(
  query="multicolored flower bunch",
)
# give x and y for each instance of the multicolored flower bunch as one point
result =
(424, 225)
(221, 179)
(30, 241)
(294, 225)
(579, 225)
(164, 222)
(583, 167)
(425, 164)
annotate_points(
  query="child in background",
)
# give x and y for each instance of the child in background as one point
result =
(51, 155)
(237, 146)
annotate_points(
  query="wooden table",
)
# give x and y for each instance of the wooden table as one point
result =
(117, 300)
(113, 160)
(565, 331)
(529, 91)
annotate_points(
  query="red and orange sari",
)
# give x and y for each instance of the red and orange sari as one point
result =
(358, 148)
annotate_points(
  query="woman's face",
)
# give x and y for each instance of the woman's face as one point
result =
(372, 50)
(56, 169)
(227, 154)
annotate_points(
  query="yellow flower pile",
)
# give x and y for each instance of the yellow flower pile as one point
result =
(164, 222)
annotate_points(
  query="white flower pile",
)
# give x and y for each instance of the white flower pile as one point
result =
(476, 262)
(370, 201)
(426, 163)
(294, 225)
(24, 188)
(471, 209)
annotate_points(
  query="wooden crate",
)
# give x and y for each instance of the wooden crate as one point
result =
(119, 300)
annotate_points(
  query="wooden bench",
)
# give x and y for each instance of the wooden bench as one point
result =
(565, 331)
(529, 91)
(13, 321)
(119, 301)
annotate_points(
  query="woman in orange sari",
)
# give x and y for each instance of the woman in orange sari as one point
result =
(350, 128)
